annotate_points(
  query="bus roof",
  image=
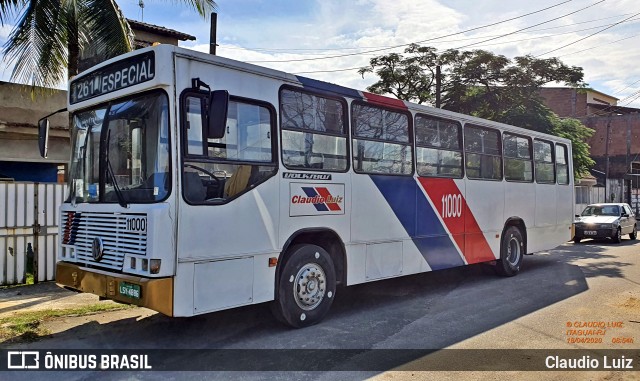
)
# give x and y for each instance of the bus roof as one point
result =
(164, 50)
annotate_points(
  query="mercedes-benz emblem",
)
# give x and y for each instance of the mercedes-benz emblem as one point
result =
(97, 248)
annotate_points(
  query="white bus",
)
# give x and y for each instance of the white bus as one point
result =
(199, 183)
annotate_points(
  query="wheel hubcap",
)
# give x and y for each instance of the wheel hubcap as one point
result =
(309, 286)
(513, 251)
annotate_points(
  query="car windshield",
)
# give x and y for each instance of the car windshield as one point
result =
(121, 151)
(602, 210)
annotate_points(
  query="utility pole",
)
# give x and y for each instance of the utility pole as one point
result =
(212, 33)
(141, 5)
(606, 165)
(438, 85)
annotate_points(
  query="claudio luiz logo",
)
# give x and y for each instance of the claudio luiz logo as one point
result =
(308, 199)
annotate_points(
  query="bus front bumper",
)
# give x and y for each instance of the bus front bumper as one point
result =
(155, 294)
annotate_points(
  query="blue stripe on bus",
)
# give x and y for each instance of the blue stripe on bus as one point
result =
(329, 88)
(408, 204)
(310, 192)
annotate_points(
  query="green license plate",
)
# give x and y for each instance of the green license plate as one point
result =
(130, 290)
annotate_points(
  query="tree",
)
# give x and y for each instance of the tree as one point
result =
(411, 78)
(578, 133)
(50, 34)
(486, 85)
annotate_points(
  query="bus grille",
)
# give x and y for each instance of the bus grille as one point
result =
(80, 229)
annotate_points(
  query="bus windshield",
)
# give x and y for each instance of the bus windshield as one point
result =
(121, 152)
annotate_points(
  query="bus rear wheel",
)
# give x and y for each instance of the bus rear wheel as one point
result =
(511, 252)
(306, 288)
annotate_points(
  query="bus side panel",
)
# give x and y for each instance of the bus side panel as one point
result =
(564, 210)
(488, 216)
(331, 210)
(183, 290)
(519, 203)
(384, 211)
(372, 217)
(446, 198)
(244, 227)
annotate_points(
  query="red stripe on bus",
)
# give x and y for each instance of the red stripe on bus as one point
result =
(454, 211)
(324, 192)
(384, 101)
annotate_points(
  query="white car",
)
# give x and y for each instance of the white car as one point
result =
(611, 220)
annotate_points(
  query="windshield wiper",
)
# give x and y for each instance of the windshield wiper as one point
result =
(116, 188)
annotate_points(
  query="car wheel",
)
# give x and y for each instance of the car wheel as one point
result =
(577, 240)
(511, 252)
(618, 237)
(634, 233)
(306, 288)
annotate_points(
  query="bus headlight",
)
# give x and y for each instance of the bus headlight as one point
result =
(154, 266)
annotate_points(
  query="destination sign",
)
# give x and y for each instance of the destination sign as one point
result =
(118, 75)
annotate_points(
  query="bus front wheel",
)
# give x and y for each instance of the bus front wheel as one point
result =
(511, 252)
(307, 286)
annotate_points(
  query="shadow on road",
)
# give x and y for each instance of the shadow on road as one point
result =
(603, 262)
(433, 310)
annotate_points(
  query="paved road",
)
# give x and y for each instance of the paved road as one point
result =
(464, 308)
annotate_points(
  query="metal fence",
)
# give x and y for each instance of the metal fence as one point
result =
(29, 217)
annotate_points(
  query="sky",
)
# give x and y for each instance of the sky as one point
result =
(329, 39)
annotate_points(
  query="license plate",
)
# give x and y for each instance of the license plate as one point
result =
(129, 290)
(590, 232)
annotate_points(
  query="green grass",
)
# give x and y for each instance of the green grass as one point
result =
(29, 280)
(27, 326)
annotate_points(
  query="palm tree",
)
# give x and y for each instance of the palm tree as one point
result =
(50, 35)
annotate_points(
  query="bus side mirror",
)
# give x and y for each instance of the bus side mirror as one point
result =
(217, 114)
(43, 136)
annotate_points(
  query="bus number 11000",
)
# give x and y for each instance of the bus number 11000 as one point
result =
(451, 205)
(136, 224)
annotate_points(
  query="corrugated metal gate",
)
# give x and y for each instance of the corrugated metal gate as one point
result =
(29, 217)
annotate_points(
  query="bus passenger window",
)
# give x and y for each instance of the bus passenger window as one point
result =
(194, 126)
(483, 153)
(562, 168)
(543, 154)
(518, 163)
(314, 134)
(233, 164)
(381, 140)
(438, 147)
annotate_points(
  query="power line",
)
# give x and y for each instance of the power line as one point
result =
(416, 42)
(287, 50)
(533, 26)
(512, 41)
(628, 86)
(475, 38)
(584, 38)
(599, 46)
(568, 54)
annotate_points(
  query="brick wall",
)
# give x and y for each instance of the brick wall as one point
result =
(624, 136)
(565, 101)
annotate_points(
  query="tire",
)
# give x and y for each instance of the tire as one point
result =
(511, 252)
(577, 240)
(306, 287)
(618, 237)
(634, 233)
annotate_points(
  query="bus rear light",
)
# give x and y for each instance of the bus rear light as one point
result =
(155, 266)
(145, 264)
(133, 263)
